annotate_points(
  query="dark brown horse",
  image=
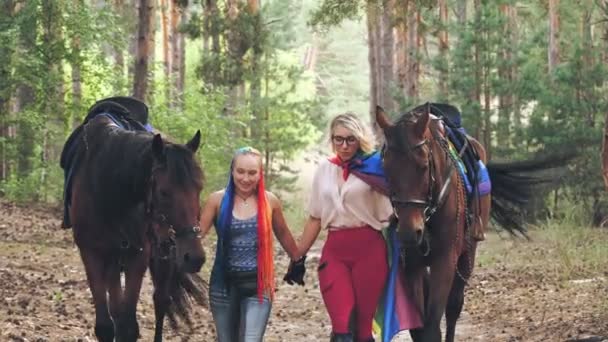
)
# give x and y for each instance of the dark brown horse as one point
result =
(432, 207)
(135, 204)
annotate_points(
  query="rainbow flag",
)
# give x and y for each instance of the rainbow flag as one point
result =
(396, 311)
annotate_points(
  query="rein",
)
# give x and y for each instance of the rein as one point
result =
(167, 246)
(432, 203)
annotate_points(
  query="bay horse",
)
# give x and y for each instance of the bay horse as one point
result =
(431, 206)
(134, 205)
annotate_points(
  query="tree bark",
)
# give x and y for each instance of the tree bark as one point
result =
(461, 12)
(256, 68)
(505, 97)
(167, 32)
(178, 16)
(372, 43)
(413, 44)
(553, 53)
(478, 68)
(144, 49)
(604, 155)
(6, 84)
(443, 50)
(386, 54)
(400, 59)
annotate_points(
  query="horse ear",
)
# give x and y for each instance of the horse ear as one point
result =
(421, 124)
(158, 147)
(194, 143)
(382, 119)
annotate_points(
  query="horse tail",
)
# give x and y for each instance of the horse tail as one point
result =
(185, 290)
(514, 184)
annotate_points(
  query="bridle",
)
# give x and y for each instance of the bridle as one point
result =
(166, 247)
(431, 203)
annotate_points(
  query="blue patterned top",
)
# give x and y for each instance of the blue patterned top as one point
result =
(242, 250)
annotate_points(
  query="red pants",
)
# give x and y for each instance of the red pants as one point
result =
(352, 274)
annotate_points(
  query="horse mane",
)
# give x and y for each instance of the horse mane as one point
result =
(120, 166)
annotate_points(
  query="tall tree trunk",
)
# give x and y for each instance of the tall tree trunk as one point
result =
(76, 76)
(152, 56)
(236, 50)
(587, 88)
(144, 49)
(167, 31)
(134, 6)
(478, 68)
(119, 57)
(258, 46)
(443, 50)
(461, 12)
(604, 155)
(386, 55)
(25, 97)
(53, 98)
(486, 70)
(516, 119)
(553, 53)
(372, 43)
(6, 86)
(400, 59)
(505, 97)
(211, 40)
(179, 16)
(413, 44)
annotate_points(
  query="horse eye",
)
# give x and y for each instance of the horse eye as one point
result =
(164, 194)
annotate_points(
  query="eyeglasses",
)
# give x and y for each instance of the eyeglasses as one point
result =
(338, 140)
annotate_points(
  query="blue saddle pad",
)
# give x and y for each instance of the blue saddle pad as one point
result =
(472, 169)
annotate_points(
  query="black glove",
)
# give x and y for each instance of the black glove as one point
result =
(295, 272)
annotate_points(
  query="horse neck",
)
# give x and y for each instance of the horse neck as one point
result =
(121, 170)
(444, 168)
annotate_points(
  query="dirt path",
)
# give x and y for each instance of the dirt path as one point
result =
(44, 296)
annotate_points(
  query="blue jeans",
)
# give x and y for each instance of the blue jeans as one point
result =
(239, 318)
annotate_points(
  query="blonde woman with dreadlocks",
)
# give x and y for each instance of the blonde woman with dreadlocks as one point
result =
(242, 279)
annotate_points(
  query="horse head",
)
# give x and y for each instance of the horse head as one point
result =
(174, 202)
(407, 159)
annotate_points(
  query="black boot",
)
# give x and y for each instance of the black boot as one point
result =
(347, 337)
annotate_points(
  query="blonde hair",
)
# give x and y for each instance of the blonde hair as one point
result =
(361, 131)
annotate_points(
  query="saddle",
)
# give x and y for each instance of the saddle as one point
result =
(473, 170)
(126, 112)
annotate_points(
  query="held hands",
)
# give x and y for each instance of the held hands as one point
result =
(295, 272)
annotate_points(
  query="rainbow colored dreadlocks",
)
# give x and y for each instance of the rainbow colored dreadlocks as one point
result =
(265, 248)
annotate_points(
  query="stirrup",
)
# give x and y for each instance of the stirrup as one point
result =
(479, 234)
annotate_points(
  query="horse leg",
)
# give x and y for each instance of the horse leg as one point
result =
(417, 282)
(127, 329)
(454, 307)
(440, 283)
(456, 298)
(162, 273)
(95, 270)
(115, 290)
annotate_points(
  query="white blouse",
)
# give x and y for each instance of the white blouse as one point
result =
(344, 204)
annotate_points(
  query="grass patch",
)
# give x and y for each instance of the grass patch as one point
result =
(560, 250)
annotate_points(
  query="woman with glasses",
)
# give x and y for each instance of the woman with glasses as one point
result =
(348, 199)
(242, 279)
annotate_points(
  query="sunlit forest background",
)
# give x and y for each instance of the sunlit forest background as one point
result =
(529, 76)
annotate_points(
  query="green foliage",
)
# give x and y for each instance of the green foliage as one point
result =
(333, 12)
